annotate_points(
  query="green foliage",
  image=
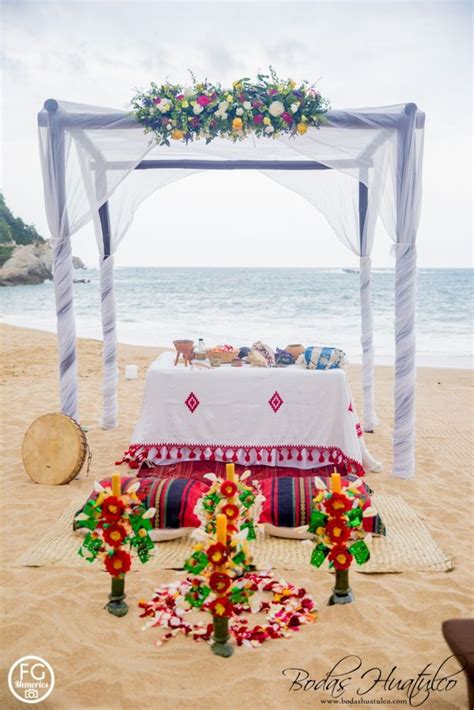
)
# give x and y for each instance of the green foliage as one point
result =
(5, 252)
(13, 229)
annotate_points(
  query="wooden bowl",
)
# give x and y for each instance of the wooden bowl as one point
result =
(295, 350)
(184, 348)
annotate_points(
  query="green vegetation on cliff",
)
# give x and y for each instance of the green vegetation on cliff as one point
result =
(14, 231)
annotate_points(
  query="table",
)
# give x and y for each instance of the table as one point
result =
(268, 416)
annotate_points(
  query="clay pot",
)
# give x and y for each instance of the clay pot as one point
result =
(295, 350)
(184, 348)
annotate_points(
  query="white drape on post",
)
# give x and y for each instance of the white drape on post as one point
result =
(109, 332)
(409, 159)
(55, 146)
(367, 342)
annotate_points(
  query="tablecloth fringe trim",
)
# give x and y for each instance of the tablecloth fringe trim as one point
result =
(138, 455)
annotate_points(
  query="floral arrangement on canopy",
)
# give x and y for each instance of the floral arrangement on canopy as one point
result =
(224, 582)
(115, 521)
(337, 523)
(270, 107)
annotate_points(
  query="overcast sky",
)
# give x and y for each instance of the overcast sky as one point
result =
(364, 53)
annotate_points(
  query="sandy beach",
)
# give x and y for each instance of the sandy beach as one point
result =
(104, 662)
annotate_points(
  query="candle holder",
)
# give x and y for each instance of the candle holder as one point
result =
(341, 593)
(221, 645)
(117, 605)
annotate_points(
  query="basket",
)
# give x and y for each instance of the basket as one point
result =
(226, 356)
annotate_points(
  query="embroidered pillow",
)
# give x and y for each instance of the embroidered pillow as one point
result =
(288, 504)
(174, 500)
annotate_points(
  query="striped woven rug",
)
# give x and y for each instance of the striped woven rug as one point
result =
(407, 546)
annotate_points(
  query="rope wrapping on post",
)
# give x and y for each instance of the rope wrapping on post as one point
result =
(405, 365)
(109, 332)
(367, 341)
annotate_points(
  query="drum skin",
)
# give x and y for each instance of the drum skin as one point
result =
(54, 449)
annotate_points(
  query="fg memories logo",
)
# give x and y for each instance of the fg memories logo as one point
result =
(31, 679)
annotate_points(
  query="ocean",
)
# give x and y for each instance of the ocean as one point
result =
(278, 306)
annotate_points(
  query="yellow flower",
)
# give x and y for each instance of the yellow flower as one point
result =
(141, 532)
(292, 84)
(229, 98)
(237, 124)
(176, 134)
(237, 85)
(266, 121)
(184, 104)
(301, 129)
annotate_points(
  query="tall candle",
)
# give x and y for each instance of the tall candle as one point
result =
(230, 472)
(336, 482)
(221, 528)
(116, 485)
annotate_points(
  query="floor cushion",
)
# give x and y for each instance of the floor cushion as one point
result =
(174, 500)
(288, 504)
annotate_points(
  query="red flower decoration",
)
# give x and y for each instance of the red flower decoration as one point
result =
(340, 557)
(231, 511)
(258, 119)
(203, 100)
(287, 117)
(115, 534)
(221, 607)
(180, 97)
(219, 582)
(228, 489)
(337, 505)
(217, 554)
(337, 530)
(112, 509)
(157, 100)
(118, 563)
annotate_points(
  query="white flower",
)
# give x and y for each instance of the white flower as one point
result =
(269, 129)
(223, 106)
(247, 105)
(197, 109)
(188, 91)
(240, 112)
(294, 107)
(276, 108)
(224, 115)
(164, 106)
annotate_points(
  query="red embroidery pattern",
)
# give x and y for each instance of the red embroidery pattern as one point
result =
(192, 402)
(139, 455)
(275, 401)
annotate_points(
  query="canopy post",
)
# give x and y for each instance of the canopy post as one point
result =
(109, 325)
(366, 338)
(63, 270)
(408, 192)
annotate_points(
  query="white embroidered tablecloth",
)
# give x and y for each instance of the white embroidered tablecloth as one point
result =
(276, 416)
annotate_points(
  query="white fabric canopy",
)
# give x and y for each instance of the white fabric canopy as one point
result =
(98, 164)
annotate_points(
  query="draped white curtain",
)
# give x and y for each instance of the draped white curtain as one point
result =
(89, 158)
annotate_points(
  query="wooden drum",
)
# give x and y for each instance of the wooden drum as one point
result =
(54, 449)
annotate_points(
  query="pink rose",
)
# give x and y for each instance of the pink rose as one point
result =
(157, 100)
(180, 97)
(203, 100)
(287, 117)
(272, 92)
(258, 118)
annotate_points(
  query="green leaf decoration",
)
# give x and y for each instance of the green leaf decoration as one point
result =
(197, 595)
(317, 520)
(319, 554)
(251, 530)
(354, 518)
(360, 551)
(196, 563)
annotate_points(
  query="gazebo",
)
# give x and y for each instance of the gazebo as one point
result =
(361, 164)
